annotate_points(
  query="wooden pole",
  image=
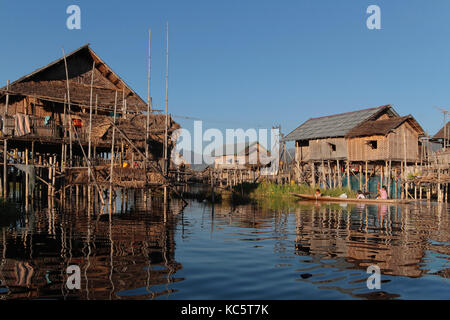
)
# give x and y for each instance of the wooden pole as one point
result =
(27, 181)
(149, 99)
(167, 103)
(389, 177)
(329, 173)
(49, 176)
(90, 125)
(324, 181)
(64, 158)
(167, 115)
(149, 105)
(53, 176)
(405, 168)
(313, 174)
(339, 175)
(5, 113)
(5, 171)
(349, 186)
(5, 145)
(366, 183)
(402, 174)
(68, 103)
(360, 177)
(96, 103)
(112, 156)
(90, 138)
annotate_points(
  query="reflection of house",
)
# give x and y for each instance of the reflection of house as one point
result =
(130, 254)
(240, 156)
(359, 244)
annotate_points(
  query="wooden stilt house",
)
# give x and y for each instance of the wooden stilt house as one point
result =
(48, 113)
(370, 141)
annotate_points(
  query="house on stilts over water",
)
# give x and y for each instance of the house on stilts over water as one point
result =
(46, 120)
(370, 148)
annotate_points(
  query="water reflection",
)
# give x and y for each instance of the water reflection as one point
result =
(258, 251)
(116, 256)
(394, 238)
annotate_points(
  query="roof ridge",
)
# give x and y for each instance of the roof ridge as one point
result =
(393, 119)
(350, 112)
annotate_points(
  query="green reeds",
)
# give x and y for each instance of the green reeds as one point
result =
(273, 190)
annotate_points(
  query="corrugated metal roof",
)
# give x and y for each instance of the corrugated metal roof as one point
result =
(337, 125)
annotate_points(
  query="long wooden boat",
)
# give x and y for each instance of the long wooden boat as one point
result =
(333, 199)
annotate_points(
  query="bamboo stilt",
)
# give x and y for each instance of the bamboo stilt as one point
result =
(5, 171)
(112, 155)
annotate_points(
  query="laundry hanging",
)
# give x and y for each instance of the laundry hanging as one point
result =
(21, 124)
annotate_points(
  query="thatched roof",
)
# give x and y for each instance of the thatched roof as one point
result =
(79, 94)
(134, 127)
(49, 82)
(440, 134)
(382, 127)
(337, 125)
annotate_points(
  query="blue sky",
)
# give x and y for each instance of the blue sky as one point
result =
(244, 64)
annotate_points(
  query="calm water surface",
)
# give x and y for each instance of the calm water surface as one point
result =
(265, 251)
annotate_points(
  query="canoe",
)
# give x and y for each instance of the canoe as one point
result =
(332, 199)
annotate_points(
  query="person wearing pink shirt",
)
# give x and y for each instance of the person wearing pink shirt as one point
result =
(383, 193)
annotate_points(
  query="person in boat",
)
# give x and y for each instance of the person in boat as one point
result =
(360, 195)
(318, 194)
(383, 193)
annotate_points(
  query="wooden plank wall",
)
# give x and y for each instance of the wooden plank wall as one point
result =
(320, 149)
(390, 147)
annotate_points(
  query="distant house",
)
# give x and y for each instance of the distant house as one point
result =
(443, 135)
(240, 156)
(441, 143)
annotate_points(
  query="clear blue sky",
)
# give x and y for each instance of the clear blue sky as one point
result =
(251, 63)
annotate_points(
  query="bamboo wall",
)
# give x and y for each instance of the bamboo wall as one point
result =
(390, 147)
(321, 149)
